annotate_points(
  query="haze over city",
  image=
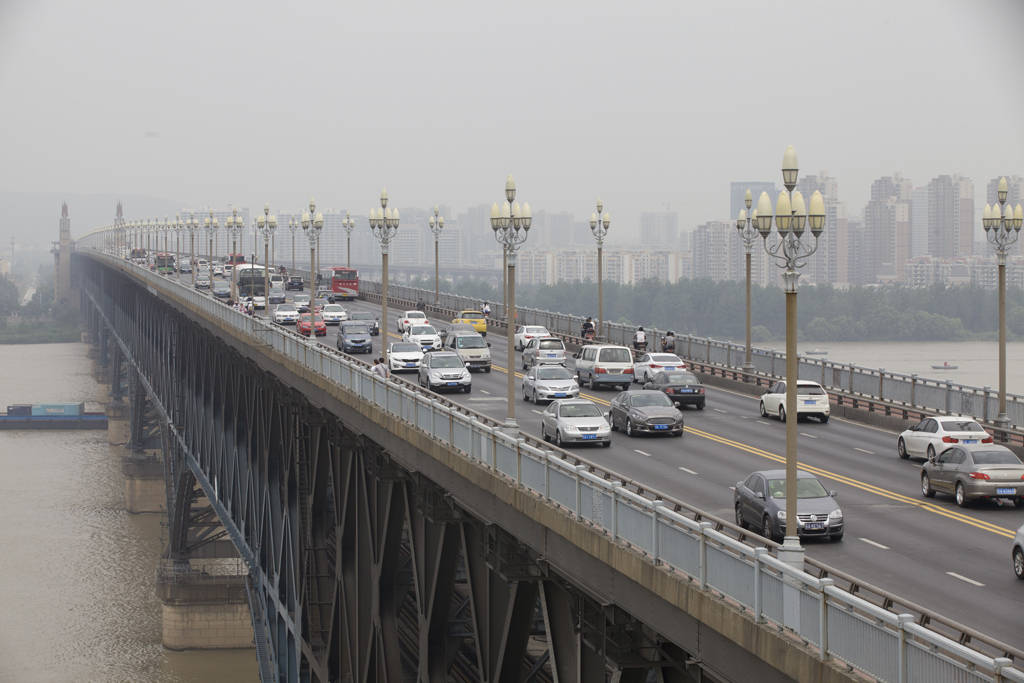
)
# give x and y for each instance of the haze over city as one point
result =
(649, 105)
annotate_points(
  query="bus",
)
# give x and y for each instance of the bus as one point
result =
(250, 280)
(165, 263)
(345, 283)
(138, 254)
(236, 259)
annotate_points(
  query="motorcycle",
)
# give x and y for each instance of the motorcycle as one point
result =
(588, 334)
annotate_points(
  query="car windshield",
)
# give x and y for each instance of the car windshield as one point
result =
(579, 410)
(414, 314)
(362, 315)
(471, 314)
(665, 358)
(446, 362)
(223, 286)
(470, 343)
(682, 378)
(616, 356)
(422, 329)
(961, 426)
(805, 488)
(553, 373)
(303, 298)
(995, 458)
(332, 308)
(286, 308)
(809, 390)
(357, 329)
(652, 399)
(405, 347)
(552, 344)
(534, 330)
(276, 290)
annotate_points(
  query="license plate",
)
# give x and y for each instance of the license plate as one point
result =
(809, 402)
(1005, 492)
(410, 365)
(589, 436)
(684, 391)
(661, 426)
(551, 355)
(970, 441)
(560, 394)
(453, 384)
(814, 526)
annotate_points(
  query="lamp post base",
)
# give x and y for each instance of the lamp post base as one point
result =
(510, 426)
(748, 368)
(791, 552)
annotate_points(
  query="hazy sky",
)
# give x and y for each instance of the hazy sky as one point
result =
(647, 104)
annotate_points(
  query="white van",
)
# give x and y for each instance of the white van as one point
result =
(472, 349)
(604, 364)
(277, 280)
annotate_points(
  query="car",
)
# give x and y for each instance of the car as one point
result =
(604, 364)
(203, 265)
(294, 283)
(354, 337)
(649, 364)
(218, 269)
(410, 318)
(309, 320)
(325, 295)
(424, 335)
(472, 349)
(221, 289)
(258, 301)
(973, 472)
(444, 370)
(367, 317)
(760, 503)
(645, 412)
(286, 314)
(549, 382)
(276, 296)
(185, 266)
(202, 281)
(525, 333)
(576, 420)
(811, 400)
(302, 302)
(541, 350)
(228, 269)
(933, 434)
(277, 280)
(1017, 553)
(681, 386)
(475, 319)
(404, 356)
(457, 328)
(334, 314)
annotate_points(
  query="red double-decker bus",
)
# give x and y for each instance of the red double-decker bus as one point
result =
(345, 283)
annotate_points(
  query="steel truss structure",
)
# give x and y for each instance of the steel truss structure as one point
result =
(359, 570)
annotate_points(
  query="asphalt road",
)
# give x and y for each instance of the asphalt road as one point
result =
(951, 560)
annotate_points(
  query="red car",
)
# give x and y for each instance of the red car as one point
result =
(319, 326)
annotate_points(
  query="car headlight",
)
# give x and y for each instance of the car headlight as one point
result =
(781, 514)
(835, 514)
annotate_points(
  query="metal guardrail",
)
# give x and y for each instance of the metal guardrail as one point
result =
(671, 534)
(932, 395)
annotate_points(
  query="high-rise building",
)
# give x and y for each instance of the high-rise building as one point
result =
(885, 243)
(715, 248)
(659, 229)
(950, 216)
(918, 222)
(825, 265)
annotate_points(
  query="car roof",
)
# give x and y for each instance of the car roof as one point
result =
(781, 474)
(466, 333)
(806, 383)
(445, 353)
(414, 314)
(972, 447)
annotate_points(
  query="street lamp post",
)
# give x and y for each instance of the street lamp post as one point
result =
(436, 226)
(746, 225)
(348, 224)
(193, 225)
(211, 224)
(1002, 225)
(791, 253)
(234, 224)
(312, 224)
(178, 228)
(599, 224)
(511, 225)
(384, 225)
(293, 226)
(267, 224)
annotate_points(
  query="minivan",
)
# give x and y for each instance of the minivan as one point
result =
(604, 364)
(472, 349)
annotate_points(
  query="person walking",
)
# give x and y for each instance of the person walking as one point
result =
(379, 368)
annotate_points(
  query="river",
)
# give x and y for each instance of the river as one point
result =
(77, 572)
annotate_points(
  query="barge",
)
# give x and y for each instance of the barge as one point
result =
(51, 416)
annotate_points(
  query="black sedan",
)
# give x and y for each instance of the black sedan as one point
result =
(294, 283)
(760, 501)
(368, 318)
(681, 386)
(645, 412)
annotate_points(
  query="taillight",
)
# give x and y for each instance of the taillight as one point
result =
(628, 371)
(979, 475)
(987, 440)
(655, 366)
(700, 390)
(949, 439)
(670, 390)
(600, 371)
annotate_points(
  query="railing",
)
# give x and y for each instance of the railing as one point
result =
(931, 395)
(712, 552)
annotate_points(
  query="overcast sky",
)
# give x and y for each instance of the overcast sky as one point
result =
(646, 104)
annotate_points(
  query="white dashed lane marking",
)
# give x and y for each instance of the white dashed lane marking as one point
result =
(863, 451)
(687, 470)
(761, 422)
(484, 391)
(809, 436)
(719, 410)
(637, 450)
(966, 579)
(536, 411)
(874, 543)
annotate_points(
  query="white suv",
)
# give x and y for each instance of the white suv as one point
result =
(811, 400)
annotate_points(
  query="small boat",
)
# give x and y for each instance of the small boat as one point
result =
(945, 366)
(816, 352)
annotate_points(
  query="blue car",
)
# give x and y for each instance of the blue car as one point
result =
(354, 337)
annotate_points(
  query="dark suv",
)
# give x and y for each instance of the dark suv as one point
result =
(294, 282)
(354, 337)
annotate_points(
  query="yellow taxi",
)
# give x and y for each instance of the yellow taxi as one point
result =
(474, 318)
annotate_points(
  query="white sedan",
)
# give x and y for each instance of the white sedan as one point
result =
(286, 314)
(650, 364)
(934, 434)
(410, 318)
(811, 400)
(334, 314)
(424, 335)
(524, 333)
(404, 356)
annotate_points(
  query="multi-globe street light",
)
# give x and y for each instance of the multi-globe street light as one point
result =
(312, 224)
(293, 227)
(267, 224)
(234, 224)
(791, 253)
(1002, 225)
(746, 225)
(211, 224)
(348, 224)
(436, 225)
(600, 221)
(384, 225)
(193, 225)
(511, 225)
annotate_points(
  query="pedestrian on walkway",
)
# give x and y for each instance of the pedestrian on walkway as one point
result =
(379, 368)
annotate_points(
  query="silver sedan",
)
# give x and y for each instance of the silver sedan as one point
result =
(974, 471)
(575, 421)
(549, 382)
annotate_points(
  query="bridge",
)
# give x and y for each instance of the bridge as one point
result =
(388, 533)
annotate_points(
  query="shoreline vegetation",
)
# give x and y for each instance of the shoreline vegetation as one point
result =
(825, 314)
(41, 332)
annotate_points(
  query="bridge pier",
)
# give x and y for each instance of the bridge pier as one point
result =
(203, 610)
(143, 469)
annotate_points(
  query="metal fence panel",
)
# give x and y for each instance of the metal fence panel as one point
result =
(730, 574)
(596, 504)
(861, 642)
(679, 548)
(505, 457)
(563, 487)
(635, 525)
(810, 615)
(927, 666)
(771, 596)
(533, 473)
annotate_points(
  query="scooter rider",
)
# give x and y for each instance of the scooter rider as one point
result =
(668, 343)
(587, 330)
(640, 339)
